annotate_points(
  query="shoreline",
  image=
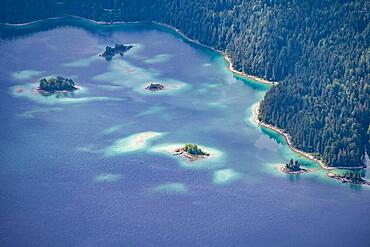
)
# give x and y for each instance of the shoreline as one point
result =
(252, 77)
(290, 144)
(348, 180)
(255, 110)
(224, 54)
(30, 22)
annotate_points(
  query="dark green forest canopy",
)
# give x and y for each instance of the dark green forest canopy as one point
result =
(317, 49)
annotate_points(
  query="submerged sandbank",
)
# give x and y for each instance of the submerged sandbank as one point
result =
(107, 177)
(132, 143)
(171, 188)
(225, 176)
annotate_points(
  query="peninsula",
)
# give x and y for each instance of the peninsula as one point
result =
(192, 152)
(110, 52)
(52, 85)
(351, 176)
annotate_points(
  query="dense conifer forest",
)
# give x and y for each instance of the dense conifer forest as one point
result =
(318, 50)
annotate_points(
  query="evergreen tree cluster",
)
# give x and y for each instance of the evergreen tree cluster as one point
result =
(194, 149)
(293, 165)
(58, 83)
(318, 50)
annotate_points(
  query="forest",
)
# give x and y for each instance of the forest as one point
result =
(318, 51)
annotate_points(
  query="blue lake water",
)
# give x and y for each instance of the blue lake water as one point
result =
(92, 169)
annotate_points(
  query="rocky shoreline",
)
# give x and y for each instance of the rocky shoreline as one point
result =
(345, 179)
(266, 82)
(308, 156)
(289, 142)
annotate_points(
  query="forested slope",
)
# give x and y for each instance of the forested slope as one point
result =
(318, 50)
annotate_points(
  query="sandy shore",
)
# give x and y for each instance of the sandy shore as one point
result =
(226, 57)
(31, 22)
(255, 78)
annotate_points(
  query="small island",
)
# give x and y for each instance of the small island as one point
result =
(351, 176)
(110, 52)
(192, 152)
(52, 85)
(154, 87)
(293, 167)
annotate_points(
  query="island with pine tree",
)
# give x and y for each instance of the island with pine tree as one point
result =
(293, 167)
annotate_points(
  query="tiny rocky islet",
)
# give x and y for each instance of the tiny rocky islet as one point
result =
(120, 49)
(154, 86)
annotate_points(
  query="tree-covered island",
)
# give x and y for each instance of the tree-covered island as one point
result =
(110, 52)
(154, 87)
(52, 85)
(192, 152)
(293, 167)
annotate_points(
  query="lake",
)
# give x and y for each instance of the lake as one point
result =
(91, 169)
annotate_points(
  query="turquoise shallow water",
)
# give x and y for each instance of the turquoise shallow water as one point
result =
(93, 169)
